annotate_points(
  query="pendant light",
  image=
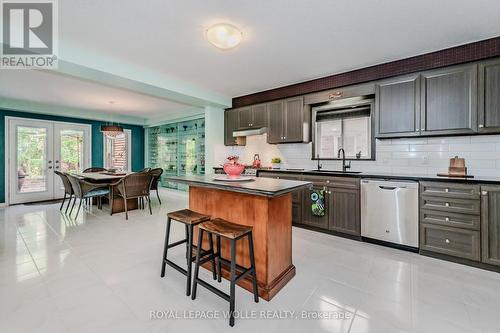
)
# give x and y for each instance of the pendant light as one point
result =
(111, 130)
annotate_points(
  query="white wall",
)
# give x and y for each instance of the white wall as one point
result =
(214, 136)
(424, 156)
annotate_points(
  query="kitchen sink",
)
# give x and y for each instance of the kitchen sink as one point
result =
(337, 171)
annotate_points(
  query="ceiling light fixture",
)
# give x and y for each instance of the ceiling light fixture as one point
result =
(111, 130)
(224, 35)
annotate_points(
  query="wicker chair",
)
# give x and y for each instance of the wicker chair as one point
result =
(68, 189)
(156, 174)
(94, 169)
(84, 190)
(133, 186)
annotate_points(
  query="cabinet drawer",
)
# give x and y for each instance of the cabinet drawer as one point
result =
(451, 241)
(319, 180)
(280, 175)
(450, 204)
(465, 221)
(450, 190)
(332, 181)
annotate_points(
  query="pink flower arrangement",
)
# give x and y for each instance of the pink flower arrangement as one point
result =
(232, 168)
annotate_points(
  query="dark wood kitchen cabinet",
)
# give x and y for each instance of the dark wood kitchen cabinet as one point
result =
(308, 218)
(489, 96)
(287, 120)
(490, 224)
(449, 101)
(397, 108)
(344, 210)
(231, 123)
(254, 116)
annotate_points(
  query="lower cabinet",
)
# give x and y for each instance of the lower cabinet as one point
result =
(310, 219)
(490, 225)
(452, 241)
(344, 211)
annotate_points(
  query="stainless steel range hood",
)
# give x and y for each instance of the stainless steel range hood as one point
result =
(250, 131)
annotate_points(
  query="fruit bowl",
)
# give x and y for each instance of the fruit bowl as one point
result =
(233, 170)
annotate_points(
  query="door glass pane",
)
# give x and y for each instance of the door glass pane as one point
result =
(31, 159)
(115, 150)
(72, 150)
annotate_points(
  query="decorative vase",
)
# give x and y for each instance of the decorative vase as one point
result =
(234, 170)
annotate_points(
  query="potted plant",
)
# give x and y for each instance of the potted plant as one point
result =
(276, 162)
(233, 168)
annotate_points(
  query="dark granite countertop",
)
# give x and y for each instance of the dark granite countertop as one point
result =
(381, 175)
(258, 186)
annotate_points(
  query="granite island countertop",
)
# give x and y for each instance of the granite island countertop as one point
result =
(257, 186)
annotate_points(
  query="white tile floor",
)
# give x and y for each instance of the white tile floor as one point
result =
(101, 274)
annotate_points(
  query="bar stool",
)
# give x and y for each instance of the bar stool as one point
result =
(189, 218)
(233, 232)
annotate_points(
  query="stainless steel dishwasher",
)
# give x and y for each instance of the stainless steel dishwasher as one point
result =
(389, 211)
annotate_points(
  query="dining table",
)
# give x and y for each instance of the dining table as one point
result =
(110, 178)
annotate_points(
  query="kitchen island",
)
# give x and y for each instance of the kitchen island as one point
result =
(263, 203)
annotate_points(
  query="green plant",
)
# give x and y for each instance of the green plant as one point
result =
(276, 160)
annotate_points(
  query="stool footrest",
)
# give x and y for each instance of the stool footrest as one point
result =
(216, 291)
(177, 267)
(228, 262)
(177, 243)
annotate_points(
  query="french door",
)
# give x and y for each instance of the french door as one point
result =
(37, 148)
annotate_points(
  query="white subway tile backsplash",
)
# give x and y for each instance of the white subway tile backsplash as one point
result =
(406, 156)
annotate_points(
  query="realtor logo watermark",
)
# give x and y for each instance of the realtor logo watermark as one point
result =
(29, 34)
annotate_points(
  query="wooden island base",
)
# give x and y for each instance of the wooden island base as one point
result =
(271, 219)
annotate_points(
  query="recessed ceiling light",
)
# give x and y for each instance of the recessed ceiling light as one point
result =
(224, 35)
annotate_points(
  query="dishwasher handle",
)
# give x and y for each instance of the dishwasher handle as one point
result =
(389, 188)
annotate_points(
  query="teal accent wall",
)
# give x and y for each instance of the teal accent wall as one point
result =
(97, 141)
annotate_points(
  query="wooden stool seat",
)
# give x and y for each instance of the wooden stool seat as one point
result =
(225, 228)
(187, 216)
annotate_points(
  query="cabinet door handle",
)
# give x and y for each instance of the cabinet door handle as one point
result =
(481, 125)
(447, 241)
(484, 192)
(447, 190)
(447, 204)
(447, 219)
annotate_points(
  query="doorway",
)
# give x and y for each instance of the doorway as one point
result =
(35, 149)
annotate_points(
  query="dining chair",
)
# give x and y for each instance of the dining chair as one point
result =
(133, 186)
(68, 190)
(144, 170)
(94, 169)
(156, 174)
(84, 190)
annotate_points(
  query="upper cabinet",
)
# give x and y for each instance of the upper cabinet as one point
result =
(489, 96)
(397, 108)
(231, 123)
(449, 101)
(254, 116)
(288, 121)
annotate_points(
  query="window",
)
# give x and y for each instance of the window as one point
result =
(117, 151)
(348, 128)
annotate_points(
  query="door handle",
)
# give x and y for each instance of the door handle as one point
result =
(389, 188)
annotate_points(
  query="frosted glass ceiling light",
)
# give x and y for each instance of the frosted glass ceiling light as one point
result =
(224, 36)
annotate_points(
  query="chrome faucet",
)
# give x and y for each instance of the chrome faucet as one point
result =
(344, 166)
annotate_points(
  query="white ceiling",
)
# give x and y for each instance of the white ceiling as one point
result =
(54, 89)
(284, 42)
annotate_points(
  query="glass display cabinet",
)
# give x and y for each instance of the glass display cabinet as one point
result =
(177, 148)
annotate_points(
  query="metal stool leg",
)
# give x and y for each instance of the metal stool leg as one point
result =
(219, 268)
(212, 253)
(165, 249)
(189, 264)
(233, 282)
(197, 264)
(252, 263)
